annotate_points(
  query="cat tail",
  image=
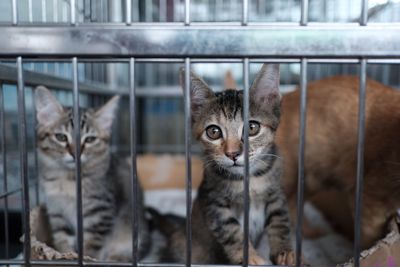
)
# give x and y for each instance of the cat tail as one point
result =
(167, 224)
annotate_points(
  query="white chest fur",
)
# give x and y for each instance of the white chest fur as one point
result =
(257, 214)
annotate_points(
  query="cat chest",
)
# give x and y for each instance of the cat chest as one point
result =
(257, 219)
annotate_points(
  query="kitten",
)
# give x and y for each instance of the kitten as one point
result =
(331, 142)
(217, 217)
(103, 180)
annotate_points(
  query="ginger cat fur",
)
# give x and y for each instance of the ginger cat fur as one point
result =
(331, 142)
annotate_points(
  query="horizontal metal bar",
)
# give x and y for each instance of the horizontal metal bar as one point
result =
(336, 60)
(113, 264)
(203, 41)
(194, 24)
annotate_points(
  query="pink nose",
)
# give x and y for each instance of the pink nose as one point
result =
(233, 155)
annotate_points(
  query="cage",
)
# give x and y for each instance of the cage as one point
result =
(85, 51)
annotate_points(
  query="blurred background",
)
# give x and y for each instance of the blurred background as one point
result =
(160, 104)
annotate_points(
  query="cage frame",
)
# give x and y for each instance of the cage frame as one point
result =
(188, 42)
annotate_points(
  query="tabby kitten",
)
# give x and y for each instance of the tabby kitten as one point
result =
(103, 180)
(217, 122)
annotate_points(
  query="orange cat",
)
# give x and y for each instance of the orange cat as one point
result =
(331, 141)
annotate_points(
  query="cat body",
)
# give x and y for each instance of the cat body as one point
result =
(218, 211)
(103, 180)
(331, 143)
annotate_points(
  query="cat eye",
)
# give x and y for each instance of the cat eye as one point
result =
(61, 137)
(90, 139)
(213, 132)
(254, 128)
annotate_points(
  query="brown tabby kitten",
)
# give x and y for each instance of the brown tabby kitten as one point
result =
(331, 141)
(103, 180)
(217, 120)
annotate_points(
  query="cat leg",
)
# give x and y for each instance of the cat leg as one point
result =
(278, 228)
(221, 220)
(62, 233)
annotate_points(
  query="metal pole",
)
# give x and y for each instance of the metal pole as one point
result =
(187, 12)
(246, 180)
(77, 141)
(73, 12)
(14, 13)
(133, 148)
(24, 162)
(128, 15)
(304, 13)
(364, 13)
(302, 141)
(245, 12)
(188, 156)
(360, 161)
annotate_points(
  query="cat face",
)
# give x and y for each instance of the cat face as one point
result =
(217, 120)
(55, 131)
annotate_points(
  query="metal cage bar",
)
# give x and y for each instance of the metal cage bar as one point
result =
(360, 161)
(194, 41)
(133, 148)
(188, 159)
(246, 177)
(30, 13)
(301, 179)
(245, 12)
(187, 12)
(72, 12)
(77, 152)
(14, 12)
(304, 13)
(23, 162)
(128, 12)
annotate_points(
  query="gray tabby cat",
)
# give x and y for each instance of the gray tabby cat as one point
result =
(105, 203)
(217, 122)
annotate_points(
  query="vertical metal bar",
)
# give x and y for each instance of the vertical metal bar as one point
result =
(23, 161)
(133, 146)
(246, 180)
(187, 12)
(302, 141)
(72, 12)
(128, 15)
(5, 180)
(77, 141)
(30, 12)
(304, 13)
(34, 149)
(44, 11)
(245, 13)
(364, 13)
(360, 161)
(188, 156)
(14, 12)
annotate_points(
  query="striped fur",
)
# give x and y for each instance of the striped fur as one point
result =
(218, 209)
(102, 178)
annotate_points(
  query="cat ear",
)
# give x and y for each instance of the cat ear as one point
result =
(105, 115)
(265, 88)
(200, 92)
(48, 109)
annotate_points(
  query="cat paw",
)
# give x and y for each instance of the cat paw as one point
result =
(288, 258)
(256, 260)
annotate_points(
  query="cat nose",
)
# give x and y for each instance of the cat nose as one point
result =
(233, 155)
